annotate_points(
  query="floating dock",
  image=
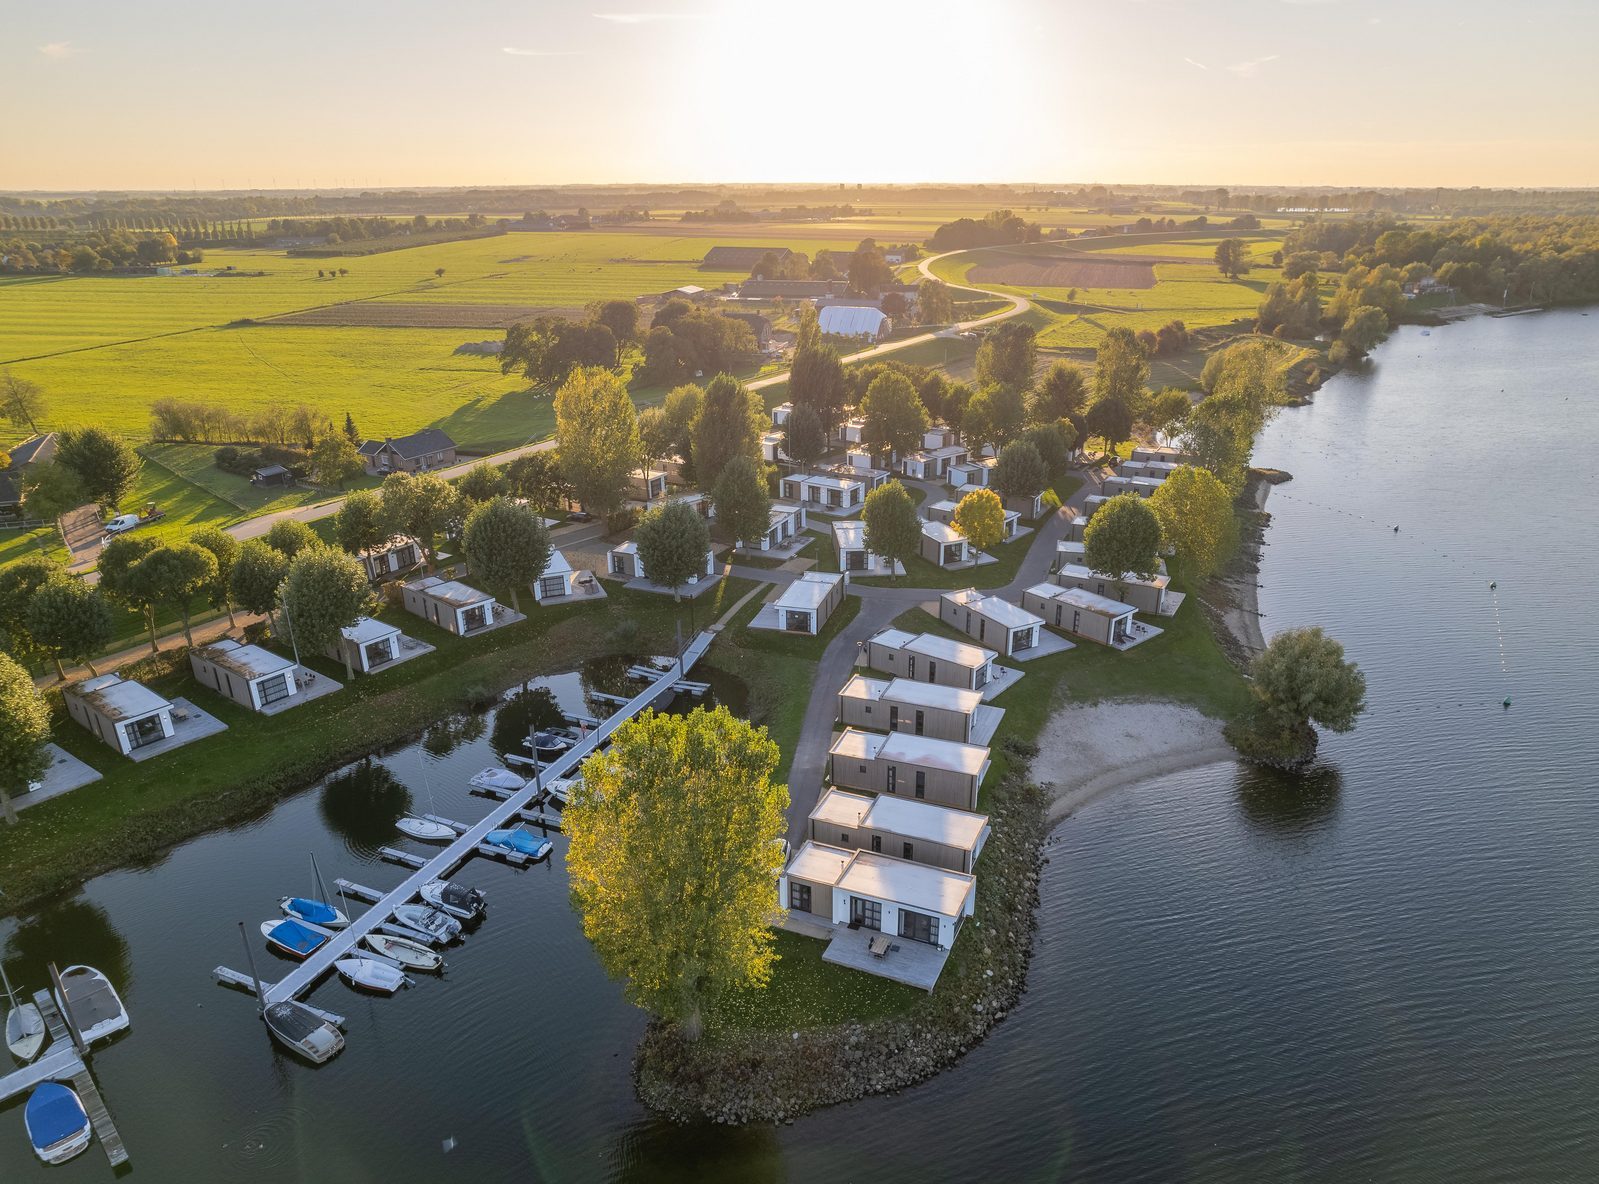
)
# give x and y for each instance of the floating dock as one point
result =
(63, 1062)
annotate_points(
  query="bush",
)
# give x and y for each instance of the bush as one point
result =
(1051, 502)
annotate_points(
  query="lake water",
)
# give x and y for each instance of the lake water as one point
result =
(1380, 970)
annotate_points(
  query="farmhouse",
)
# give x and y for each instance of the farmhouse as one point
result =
(450, 605)
(623, 562)
(849, 542)
(989, 619)
(417, 453)
(806, 604)
(398, 554)
(1147, 596)
(946, 772)
(852, 320)
(832, 492)
(740, 258)
(924, 709)
(249, 675)
(760, 326)
(36, 450)
(929, 657)
(1081, 613)
(943, 545)
(921, 832)
(865, 890)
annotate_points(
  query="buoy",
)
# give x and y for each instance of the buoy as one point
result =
(1396, 530)
(1507, 701)
(1492, 584)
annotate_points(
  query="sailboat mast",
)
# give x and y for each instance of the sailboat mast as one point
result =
(6, 979)
(255, 977)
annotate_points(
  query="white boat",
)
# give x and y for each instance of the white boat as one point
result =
(317, 912)
(427, 832)
(87, 998)
(428, 923)
(412, 955)
(302, 1031)
(24, 1025)
(296, 939)
(58, 1125)
(498, 779)
(455, 899)
(561, 788)
(369, 974)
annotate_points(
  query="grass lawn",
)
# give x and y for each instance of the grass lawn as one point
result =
(806, 992)
(137, 810)
(919, 573)
(196, 464)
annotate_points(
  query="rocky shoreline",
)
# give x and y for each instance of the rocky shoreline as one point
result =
(779, 1076)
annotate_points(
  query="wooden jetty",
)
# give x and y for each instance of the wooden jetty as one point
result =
(408, 858)
(67, 1060)
(443, 865)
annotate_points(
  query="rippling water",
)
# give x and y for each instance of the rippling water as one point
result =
(1381, 970)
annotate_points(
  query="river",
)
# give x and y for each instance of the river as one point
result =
(1381, 969)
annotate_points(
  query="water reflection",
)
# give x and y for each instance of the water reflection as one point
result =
(362, 804)
(665, 1153)
(520, 716)
(71, 932)
(1286, 804)
(449, 734)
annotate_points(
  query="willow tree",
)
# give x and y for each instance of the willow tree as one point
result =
(674, 859)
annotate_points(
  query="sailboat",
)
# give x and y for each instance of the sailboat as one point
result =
(292, 1024)
(24, 1025)
(371, 974)
(298, 939)
(58, 1125)
(520, 840)
(427, 832)
(316, 911)
(412, 955)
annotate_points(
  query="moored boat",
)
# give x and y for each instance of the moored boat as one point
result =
(87, 998)
(455, 899)
(425, 831)
(369, 974)
(497, 779)
(314, 911)
(302, 1031)
(298, 939)
(520, 840)
(412, 955)
(58, 1126)
(548, 746)
(24, 1025)
(430, 924)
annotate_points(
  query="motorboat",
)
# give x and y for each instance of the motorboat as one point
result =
(58, 1125)
(561, 789)
(89, 1000)
(24, 1025)
(317, 912)
(455, 899)
(412, 955)
(548, 746)
(298, 939)
(433, 926)
(495, 778)
(369, 974)
(303, 1031)
(520, 840)
(427, 832)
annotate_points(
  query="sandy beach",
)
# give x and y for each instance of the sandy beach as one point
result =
(1085, 751)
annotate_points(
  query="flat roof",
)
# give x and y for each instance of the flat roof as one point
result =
(819, 862)
(941, 532)
(366, 629)
(451, 592)
(861, 687)
(947, 649)
(898, 638)
(627, 548)
(810, 590)
(924, 888)
(945, 504)
(1082, 598)
(842, 807)
(827, 479)
(850, 533)
(928, 694)
(248, 661)
(1001, 612)
(910, 749)
(1079, 572)
(914, 819)
(117, 698)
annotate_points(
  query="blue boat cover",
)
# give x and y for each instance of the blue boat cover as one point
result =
(53, 1114)
(517, 839)
(295, 936)
(313, 911)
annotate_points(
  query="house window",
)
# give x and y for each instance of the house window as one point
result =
(379, 652)
(909, 851)
(921, 783)
(799, 897)
(932, 671)
(273, 689)
(877, 843)
(144, 731)
(843, 838)
(865, 914)
(921, 721)
(552, 586)
(910, 666)
(918, 927)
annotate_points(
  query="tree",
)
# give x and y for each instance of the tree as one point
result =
(892, 528)
(21, 401)
(730, 424)
(1167, 410)
(674, 850)
(1232, 260)
(71, 620)
(1054, 443)
(121, 580)
(803, 437)
(104, 464)
(994, 416)
(1219, 435)
(934, 304)
(324, 591)
(536, 477)
(50, 490)
(224, 549)
(1119, 376)
(23, 758)
(290, 536)
(1195, 512)
(980, 518)
(1019, 471)
(672, 542)
(1060, 394)
(439, 272)
(1363, 330)
(420, 506)
(895, 417)
(1123, 538)
(362, 523)
(1300, 679)
(481, 483)
(20, 580)
(743, 506)
(507, 546)
(816, 380)
(1008, 356)
(257, 574)
(173, 575)
(869, 272)
(597, 431)
(335, 460)
(620, 317)
(350, 432)
(548, 349)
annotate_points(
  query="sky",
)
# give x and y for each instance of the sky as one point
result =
(179, 94)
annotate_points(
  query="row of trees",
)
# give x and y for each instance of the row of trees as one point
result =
(92, 251)
(194, 422)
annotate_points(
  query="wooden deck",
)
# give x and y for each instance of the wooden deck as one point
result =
(914, 963)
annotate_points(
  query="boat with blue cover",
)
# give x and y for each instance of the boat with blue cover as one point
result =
(298, 939)
(58, 1125)
(317, 912)
(521, 840)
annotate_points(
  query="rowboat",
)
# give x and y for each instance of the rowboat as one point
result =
(368, 974)
(412, 955)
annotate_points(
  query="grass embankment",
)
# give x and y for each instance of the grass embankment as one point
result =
(137, 810)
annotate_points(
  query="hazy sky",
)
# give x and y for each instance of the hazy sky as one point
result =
(180, 93)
